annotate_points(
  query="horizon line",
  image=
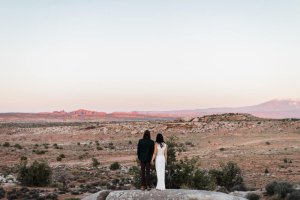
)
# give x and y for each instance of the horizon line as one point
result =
(139, 111)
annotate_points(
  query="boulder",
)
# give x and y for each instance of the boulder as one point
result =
(154, 194)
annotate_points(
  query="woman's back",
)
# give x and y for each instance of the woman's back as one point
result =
(160, 164)
(161, 149)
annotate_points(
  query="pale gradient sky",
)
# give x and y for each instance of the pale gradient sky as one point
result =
(147, 55)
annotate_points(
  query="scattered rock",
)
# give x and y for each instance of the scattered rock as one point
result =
(8, 179)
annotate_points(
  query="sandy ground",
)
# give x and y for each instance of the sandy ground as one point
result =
(255, 145)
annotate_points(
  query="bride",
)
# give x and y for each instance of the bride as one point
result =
(160, 157)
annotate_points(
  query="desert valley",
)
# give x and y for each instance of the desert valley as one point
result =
(265, 149)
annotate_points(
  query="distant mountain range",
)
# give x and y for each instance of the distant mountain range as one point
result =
(276, 109)
(272, 109)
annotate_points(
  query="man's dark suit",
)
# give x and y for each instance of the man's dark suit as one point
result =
(145, 151)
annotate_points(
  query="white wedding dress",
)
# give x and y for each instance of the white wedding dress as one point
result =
(160, 165)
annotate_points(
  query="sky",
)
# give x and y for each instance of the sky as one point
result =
(125, 55)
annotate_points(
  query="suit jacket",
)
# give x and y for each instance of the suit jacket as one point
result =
(145, 150)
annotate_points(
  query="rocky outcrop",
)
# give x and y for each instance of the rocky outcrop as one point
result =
(162, 195)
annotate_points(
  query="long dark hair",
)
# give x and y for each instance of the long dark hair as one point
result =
(160, 139)
(147, 135)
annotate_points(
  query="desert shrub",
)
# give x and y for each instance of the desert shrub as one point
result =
(285, 160)
(6, 144)
(37, 174)
(99, 148)
(177, 169)
(23, 158)
(172, 167)
(266, 171)
(279, 188)
(72, 198)
(203, 180)
(239, 187)
(78, 143)
(129, 142)
(95, 163)
(217, 175)
(2, 193)
(252, 196)
(46, 145)
(229, 175)
(115, 166)
(18, 146)
(222, 149)
(62, 155)
(38, 151)
(135, 172)
(185, 171)
(83, 156)
(59, 158)
(270, 188)
(295, 195)
(268, 143)
(111, 145)
(283, 188)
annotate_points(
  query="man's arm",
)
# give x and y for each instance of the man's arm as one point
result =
(152, 147)
(154, 155)
(139, 149)
(166, 153)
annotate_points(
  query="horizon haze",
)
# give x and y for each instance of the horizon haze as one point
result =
(274, 109)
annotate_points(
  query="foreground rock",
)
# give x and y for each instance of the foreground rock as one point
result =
(160, 195)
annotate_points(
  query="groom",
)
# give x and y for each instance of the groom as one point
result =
(144, 151)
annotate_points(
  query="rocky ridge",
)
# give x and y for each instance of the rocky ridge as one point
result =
(170, 194)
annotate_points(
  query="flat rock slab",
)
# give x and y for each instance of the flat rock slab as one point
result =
(171, 194)
(92, 196)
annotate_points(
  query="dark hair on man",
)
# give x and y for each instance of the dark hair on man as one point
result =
(160, 139)
(147, 135)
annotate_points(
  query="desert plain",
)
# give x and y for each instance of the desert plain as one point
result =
(265, 149)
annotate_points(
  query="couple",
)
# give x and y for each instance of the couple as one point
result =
(147, 152)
